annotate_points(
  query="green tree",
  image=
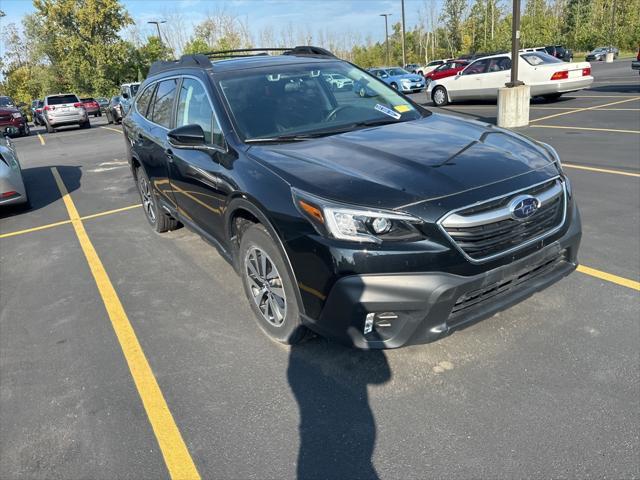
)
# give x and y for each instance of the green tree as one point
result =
(453, 17)
(196, 45)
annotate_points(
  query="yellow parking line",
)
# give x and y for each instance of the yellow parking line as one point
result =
(175, 453)
(41, 138)
(585, 109)
(112, 129)
(586, 128)
(625, 282)
(600, 170)
(34, 229)
(109, 212)
(65, 222)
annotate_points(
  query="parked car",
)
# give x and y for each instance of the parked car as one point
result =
(62, 110)
(399, 79)
(338, 82)
(368, 219)
(548, 77)
(635, 65)
(128, 92)
(432, 65)
(103, 102)
(11, 116)
(12, 190)
(91, 106)
(412, 67)
(599, 54)
(445, 70)
(114, 110)
(37, 112)
(560, 52)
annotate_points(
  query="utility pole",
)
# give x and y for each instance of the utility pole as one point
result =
(613, 25)
(386, 33)
(157, 24)
(515, 45)
(404, 54)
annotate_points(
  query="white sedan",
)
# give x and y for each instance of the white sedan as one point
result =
(548, 77)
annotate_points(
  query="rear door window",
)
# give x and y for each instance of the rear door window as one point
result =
(479, 66)
(144, 99)
(499, 64)
(162, 107)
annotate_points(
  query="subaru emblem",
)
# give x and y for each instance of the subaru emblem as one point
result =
(523, 207)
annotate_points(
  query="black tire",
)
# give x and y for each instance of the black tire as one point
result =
(439, 96)
(86, 124)
(50, 129)
(552, 97)
(109, 118)
(286, 327)
(25, 131)
(160, 221)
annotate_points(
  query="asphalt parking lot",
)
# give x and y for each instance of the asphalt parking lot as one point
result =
(128, 354)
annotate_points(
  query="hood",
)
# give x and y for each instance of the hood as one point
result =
(410, 76)
(8, 110)
(394, 165)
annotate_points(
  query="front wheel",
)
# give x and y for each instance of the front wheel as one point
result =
(440, 97)
(269, 287)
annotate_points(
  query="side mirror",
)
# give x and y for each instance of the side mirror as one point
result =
(10, 131)
(187, 136)
(125, 95)
(459, 73)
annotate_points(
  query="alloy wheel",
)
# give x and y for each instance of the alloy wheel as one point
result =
(266, 287)
(147, 199)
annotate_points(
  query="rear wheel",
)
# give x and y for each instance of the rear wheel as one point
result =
(50, 129)
(440, 97)
(160, 221)
(269, 287)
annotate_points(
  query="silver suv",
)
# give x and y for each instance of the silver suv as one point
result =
(64, 109)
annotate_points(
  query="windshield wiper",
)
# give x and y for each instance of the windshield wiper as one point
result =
(283, 138)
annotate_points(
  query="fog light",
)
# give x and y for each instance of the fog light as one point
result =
(368, 323)
(378, 320)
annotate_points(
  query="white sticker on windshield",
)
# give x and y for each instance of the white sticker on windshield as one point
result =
(387, 111)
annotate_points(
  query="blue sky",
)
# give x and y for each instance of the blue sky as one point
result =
(360, 16)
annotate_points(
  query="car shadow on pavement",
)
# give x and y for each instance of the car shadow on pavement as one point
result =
(42, 189)
(618, 88)
(337, 427)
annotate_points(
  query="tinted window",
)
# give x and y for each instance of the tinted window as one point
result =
(60, 99)
(142, 102)
(6, 101)
(479, 66)
(499, 64)
(163, 102)
(194, 108)
(90, 99)
(397, 71)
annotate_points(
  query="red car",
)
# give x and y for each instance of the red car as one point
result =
(11, 116)
(448, 69)
(91, 106)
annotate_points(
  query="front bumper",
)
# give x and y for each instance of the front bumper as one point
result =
(402, 309)
(413, 87)
(71, 119)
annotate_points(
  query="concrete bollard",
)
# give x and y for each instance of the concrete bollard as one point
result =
(609, 57)
(513, 106)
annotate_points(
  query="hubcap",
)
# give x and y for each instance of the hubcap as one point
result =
(265, 284)
(438, 96)
(147, 199)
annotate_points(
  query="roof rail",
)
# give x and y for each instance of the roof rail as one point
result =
(197, 60)
(203, 60)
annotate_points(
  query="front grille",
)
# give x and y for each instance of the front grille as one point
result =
(488, 230)
(477, 297)
(4, 118)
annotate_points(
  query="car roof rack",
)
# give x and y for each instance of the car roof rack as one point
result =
(203, 60)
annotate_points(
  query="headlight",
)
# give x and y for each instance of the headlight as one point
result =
(16, 115)
(354, 224)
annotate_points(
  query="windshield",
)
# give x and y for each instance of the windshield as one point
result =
(297, 100)
(397, 71)
(6, 102)
(540, 58)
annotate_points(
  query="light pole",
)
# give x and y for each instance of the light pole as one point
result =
(404, 55)
(386, 32)
(515, 45)
(157, 24)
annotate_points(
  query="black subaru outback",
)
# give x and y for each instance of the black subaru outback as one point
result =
(355, 213)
